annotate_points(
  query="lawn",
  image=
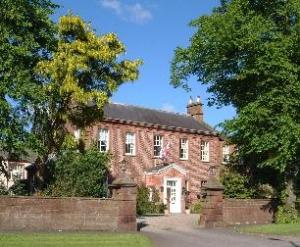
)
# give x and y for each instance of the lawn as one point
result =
(274, 229)
(73, 239)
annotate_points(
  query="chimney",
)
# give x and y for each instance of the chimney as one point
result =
(194, 109)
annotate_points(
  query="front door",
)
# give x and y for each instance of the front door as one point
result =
(173, 191)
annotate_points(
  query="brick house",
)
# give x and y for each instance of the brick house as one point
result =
(12, 169)
(167, 151)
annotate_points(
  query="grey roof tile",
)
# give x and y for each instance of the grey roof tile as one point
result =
(140, 114)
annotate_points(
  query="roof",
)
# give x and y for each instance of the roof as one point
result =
(137, 114)
(163, 168)
(27, 157)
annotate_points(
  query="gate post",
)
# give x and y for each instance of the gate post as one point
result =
(124, 191)
(212, 212)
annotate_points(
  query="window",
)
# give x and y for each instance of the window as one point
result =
(77, 134)
(103, 140)
(184, 149)
(204, 151)
(150, 194)
(226, 154)
(130, 144)
(158, 144)
(203, 183)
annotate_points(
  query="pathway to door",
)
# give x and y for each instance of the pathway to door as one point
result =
(181, 230)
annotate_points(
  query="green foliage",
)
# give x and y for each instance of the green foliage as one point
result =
(266, 191)
(236, 185)
(247, 52)
(19, 188)
(78, 80)
(51, 75)
(272, 229)
(144, 205)
(3, 190)
(80, 174)
(196, 207)
(287, 214)
(78, 239)
(27, 36)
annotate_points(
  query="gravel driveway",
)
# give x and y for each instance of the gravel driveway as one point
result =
(182, 231)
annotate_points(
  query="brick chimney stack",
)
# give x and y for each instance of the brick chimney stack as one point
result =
(194, 109)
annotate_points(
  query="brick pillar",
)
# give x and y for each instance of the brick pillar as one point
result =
(212, 212)
(124, 191)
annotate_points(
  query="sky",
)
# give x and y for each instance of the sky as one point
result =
(150, 30)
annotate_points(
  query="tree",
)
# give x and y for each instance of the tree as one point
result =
(80, 174)
(247, 52)
(27, 36)
(78, 80)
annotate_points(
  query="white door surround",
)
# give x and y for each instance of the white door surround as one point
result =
(172, 189)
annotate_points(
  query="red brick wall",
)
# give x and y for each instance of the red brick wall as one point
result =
(69, 214)
(197, 170)
(242, 212)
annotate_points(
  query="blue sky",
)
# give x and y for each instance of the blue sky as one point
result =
(150, 30)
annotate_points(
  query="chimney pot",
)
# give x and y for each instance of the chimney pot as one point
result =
(195, 109)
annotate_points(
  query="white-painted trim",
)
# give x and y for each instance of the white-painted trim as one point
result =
(170, 166)
(178, 190)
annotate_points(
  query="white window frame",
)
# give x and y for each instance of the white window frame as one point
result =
(130, 140)
(204, 151)
(184, 148)
(157, 144)
(226, 154)
(103, 137)
(77, 134)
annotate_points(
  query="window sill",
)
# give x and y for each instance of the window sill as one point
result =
(183, 159)
(130, 155)
(205, 161)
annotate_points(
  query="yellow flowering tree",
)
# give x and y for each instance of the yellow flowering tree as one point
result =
(77, 81)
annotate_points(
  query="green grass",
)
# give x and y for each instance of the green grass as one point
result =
(273, 229)
(73, 239)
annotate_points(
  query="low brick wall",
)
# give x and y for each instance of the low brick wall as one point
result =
(70, 214)
(254, 211)
(218, 211)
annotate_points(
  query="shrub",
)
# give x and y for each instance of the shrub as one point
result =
(3, 190)
(236, 185)
(265, 191)
(80, 174)
(287, 214)
(19, 188)
(144, 205)
(196, 207)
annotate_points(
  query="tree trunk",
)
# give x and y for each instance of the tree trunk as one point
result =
(291, 197)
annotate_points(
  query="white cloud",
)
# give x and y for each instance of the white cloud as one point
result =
(130, 12)
(138, 13)
(168, 107)
(115, 5)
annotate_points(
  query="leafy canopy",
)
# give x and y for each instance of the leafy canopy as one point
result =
(78, 80)
(247, 52)
(80, 174)
(27, 36)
